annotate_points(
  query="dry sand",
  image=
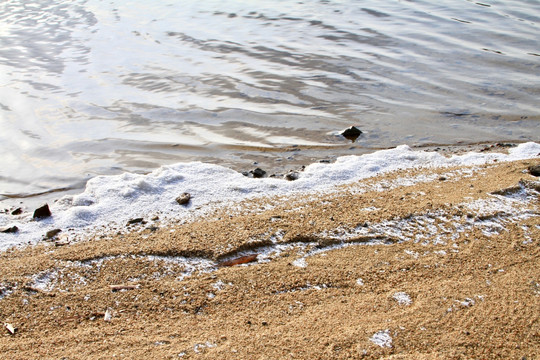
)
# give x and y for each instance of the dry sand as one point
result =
(407, 265)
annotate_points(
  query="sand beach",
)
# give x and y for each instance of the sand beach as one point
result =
(419, 263)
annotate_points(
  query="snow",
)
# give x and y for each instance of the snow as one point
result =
(402, 298)
(109, 202)
(382, 338)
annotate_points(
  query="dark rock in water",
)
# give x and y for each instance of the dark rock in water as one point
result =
(258, 173)
(505, 145)
(9, 229)
(534, 170)
(293, 175)
(52, 233)
(135, 221)
(352, 133)
(42, 212)
(17, 211)
(183, 199)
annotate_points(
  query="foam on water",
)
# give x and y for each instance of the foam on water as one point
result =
(109, 202)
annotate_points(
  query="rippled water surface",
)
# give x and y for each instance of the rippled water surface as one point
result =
(99, 87)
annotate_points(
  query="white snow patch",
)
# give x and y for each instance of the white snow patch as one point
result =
(382, 338)
(199, 347)
(5, 291)
(45, 280)
(300, 262)
(402, 298)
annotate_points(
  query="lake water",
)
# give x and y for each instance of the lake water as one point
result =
(94, 87)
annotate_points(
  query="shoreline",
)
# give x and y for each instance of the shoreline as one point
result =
(270, 164)
(428, 263)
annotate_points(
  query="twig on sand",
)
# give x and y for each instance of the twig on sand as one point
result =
(241, 260)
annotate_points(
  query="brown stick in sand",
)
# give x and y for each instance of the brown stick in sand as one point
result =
(123, 287)
(241, 260)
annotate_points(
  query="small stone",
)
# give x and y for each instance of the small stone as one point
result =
(9, 229)
(352, 133)
(293, 175)
(135, 221)
(10, 328)
(52, 233)
(107, 316)
(183, 199)
(17, 211)
(42, 212)
(534, 170)
(258, 173)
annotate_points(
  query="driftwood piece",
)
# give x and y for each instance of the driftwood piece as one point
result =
(123, 287)
(238, 261)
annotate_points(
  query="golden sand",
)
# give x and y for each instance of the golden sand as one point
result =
(418, 264)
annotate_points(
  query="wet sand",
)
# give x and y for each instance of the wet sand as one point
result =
(416, 264)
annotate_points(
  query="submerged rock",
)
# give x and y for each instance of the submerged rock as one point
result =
(352, 133)
(42, 212)
(183, 199)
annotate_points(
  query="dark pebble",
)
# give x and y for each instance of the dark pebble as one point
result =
(135, 221)
(52, 233)
(42, 212)
(9, 229)
(292, 176)
(352, 133)
(534, 170)
(183, 199)
(258, 173)
(17, 211)
(505, 145)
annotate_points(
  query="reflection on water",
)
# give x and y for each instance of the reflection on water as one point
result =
(93, 87)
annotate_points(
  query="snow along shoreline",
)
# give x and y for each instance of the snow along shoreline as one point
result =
(109, 202)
